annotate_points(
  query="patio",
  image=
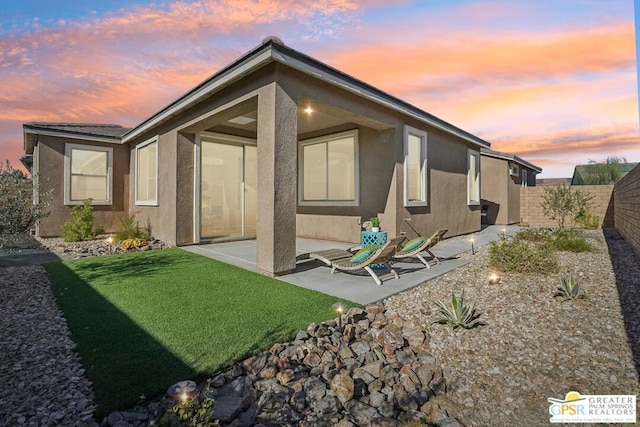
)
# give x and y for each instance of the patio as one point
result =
(360, 287)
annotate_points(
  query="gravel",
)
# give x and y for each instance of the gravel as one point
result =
(42, 379)
(534, 346)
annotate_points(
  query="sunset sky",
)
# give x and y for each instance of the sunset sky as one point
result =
(553, 81)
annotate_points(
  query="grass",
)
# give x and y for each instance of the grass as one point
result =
(145, 320)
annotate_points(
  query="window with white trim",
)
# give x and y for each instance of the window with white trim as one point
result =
(524, 178)
(328, 170)
(88, 174)
(473, 177)
(415, 167)
(146, 178)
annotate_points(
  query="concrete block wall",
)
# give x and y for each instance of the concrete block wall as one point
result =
(627, 208)
(531, 205)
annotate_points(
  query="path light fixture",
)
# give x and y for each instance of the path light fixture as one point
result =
(504, 234)
(473, 249)
(110, 242)
(494, 279)
(339, 307)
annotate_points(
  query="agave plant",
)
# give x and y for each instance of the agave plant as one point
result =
(458, 313)
(569, 289)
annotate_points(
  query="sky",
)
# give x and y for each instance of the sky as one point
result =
(552, 81)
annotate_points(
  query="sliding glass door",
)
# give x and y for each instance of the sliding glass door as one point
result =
(228, 188)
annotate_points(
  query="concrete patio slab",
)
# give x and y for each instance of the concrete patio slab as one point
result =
(357, 287)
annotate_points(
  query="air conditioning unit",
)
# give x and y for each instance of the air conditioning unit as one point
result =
(514, 170)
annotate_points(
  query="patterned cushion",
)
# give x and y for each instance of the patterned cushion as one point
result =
(364, 253)
(414, 243)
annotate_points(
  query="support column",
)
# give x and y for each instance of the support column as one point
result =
(277, 181)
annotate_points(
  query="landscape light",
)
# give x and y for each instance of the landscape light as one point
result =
(339, 307)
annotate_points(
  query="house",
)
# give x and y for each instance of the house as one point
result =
(503, 175)
(600, 173)
(548, 182)
(276, 145)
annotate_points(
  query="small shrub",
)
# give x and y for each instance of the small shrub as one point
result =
(534, 235)
(195, 411)
(134, 243)
(458, 314)
(571, 241)
(129, 229)
(523, 257)
(80, 226)
(561, 202)
(588, 221)
(18, 213)
(569, 289)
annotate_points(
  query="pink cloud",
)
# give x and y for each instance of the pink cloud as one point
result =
(519, 89)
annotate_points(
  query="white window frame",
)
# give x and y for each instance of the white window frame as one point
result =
(473, 153)
(140, 146)
(408, 130)
(525, 178)
(67, 173)
(356, 169)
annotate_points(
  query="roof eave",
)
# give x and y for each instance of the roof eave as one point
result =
(337, 78)
(251, 62)
(273, 52)
(31, 134)
(510, 157)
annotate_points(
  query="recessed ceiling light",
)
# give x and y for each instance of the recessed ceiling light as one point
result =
(242, 120)
(308, 110)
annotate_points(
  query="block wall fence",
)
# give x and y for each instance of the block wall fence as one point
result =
(601, 205)
(626, 196)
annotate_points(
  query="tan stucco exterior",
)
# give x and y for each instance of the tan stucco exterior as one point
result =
(276, 94)
(500, 190)
(50, 172)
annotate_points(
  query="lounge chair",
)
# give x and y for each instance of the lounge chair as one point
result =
(415, 247)
(339, 259)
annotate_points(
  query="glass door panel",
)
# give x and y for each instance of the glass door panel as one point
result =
(228, 189)
(250, 189)
(221, 185)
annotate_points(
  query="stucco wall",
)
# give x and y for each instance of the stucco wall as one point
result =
(382, 173)
(381, 165)
(493, 187)
(626, 195)
(531, 205)
(51, 176)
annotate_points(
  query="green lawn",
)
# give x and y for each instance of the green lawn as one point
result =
(145, 320)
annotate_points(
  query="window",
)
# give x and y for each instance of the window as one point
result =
(473, 177)
(329, 170)
(87, 174)
(147, 173)
(524, 178)
(415, 167)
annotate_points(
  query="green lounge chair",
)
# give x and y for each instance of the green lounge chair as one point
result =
(424, 246)
(340, 259)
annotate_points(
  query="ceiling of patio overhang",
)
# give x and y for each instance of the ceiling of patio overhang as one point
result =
(242, 120)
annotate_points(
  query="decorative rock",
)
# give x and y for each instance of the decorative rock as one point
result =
(438, 384)
(254, 365)
(268, 372)
(186, 388)
(326, 405)
(384, 422)
(414, 335)
(374, 309)
(285, 376)
(361, 411)
(302, 336)
(342, 386)
(360, 347)
(114, 417)
(312, 359)
(315, 389)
